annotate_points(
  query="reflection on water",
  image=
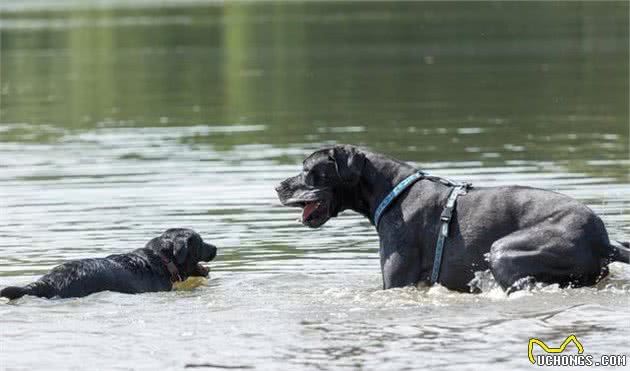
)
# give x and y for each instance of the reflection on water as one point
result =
(117, 122)
(491, 82)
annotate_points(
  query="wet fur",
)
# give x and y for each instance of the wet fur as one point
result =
(522, 234)
(139, 271)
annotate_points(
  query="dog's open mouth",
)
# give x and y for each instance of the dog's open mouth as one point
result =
(315, 212)
(309, 208)
(202, 271)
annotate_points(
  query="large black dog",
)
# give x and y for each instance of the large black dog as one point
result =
(172, 257)
(521, 234)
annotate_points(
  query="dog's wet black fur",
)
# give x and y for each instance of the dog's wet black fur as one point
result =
(522, 234)
(142, 270)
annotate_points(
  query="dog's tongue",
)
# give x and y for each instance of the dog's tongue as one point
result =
(308, 209)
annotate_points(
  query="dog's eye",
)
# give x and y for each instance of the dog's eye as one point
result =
(310, 178)
(313, 177)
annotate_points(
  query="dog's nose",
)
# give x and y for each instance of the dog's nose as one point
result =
(210, 251)
(278, 188)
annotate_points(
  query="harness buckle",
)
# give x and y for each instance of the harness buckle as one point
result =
(445, 218)
(447, 214)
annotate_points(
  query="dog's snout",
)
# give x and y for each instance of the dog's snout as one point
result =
(210, 251)
(283, 186)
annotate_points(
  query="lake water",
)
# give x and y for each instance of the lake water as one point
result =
(118, 121)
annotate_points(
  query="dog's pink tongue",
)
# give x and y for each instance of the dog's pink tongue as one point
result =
(308, 210)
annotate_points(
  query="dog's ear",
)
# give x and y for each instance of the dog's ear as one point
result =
(180, 250)
(349, 162)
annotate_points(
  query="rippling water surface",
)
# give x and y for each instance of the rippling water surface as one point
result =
(119, 121)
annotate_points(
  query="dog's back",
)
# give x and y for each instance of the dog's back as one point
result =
(173, 256)
(135, 272)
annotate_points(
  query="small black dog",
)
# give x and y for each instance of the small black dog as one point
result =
(519, 233)
(172, 257)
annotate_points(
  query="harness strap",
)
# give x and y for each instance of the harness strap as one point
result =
(445, 218)
(172, 269)
(400, 188)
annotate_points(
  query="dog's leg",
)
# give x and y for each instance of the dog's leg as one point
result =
(544, 254)
(399, 268)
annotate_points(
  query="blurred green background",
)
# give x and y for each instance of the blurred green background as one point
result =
(429, 81)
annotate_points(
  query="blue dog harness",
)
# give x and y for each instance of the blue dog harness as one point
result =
(445, 217)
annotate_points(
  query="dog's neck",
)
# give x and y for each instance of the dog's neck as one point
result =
(379, 176)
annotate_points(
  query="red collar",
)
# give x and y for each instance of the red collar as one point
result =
(172, 269)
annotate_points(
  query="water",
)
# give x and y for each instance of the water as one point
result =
(119, 121)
